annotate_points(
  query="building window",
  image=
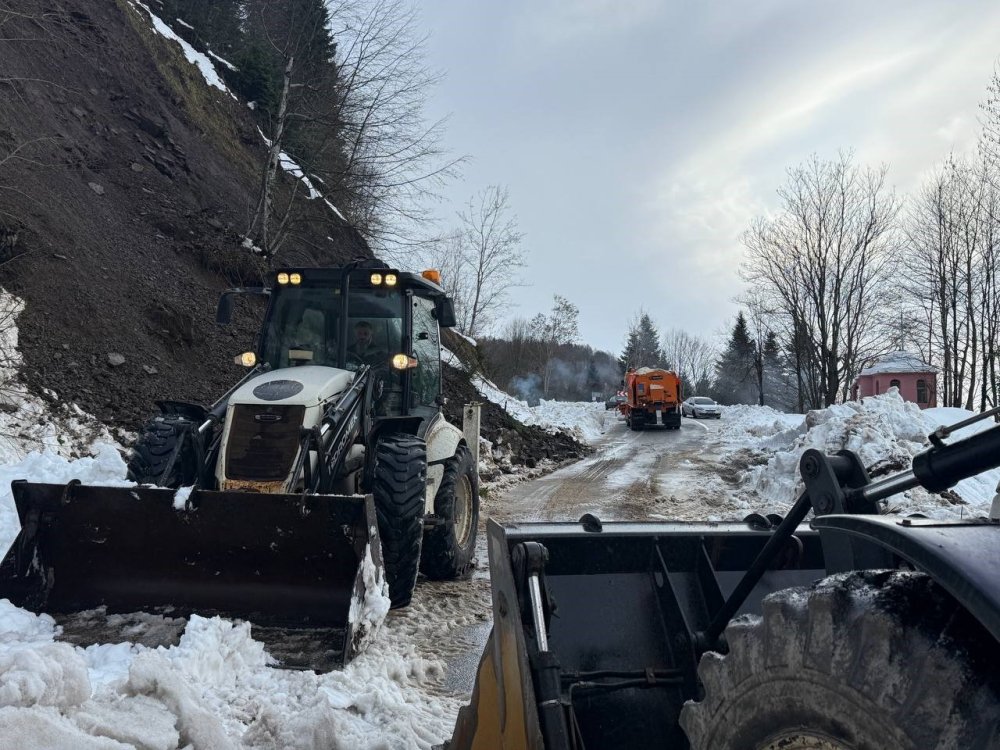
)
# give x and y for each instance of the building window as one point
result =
(922, 392)
(894, 383)
(878, 384)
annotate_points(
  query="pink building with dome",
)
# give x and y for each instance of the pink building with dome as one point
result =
(915, 379)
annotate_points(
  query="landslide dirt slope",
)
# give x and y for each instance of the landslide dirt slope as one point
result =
(135, 184)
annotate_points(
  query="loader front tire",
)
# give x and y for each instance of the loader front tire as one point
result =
(450, 545)
(148, 461)
(869, 660)
(398, 487)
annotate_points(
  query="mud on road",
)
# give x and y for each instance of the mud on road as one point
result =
(632, 476)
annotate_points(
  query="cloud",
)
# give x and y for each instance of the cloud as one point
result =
(569, 21)
(843, 96)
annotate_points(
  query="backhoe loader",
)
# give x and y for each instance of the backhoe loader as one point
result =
(859, 631)
(318, 484)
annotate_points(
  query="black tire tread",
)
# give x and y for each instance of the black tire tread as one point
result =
(152, 450)
(442, 559)
(873, 659)
(398, 487)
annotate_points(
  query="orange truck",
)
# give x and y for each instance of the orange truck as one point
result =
(652, 399)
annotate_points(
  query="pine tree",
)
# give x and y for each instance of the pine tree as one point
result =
(642, 347)
(778, 381)
(630, 354)
(255, 78)
(735, 376)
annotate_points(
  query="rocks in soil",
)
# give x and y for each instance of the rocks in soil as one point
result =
(115, 359)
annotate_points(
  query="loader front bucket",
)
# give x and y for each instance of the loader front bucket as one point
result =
(621, 606)
(280, 561)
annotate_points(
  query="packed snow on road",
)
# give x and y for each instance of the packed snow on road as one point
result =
(214, 687)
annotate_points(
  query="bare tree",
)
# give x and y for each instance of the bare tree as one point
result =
(363, 149)
(492, 255)
(949, 274)
(560, 326)
(692, 357)
(823, 261)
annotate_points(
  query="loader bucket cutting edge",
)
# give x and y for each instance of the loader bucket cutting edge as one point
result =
(275, 560)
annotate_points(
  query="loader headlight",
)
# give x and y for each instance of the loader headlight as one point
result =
(247, 359)
(295, 278)
(376, 279)
(282, 278)
(403, 362)
(390, 279)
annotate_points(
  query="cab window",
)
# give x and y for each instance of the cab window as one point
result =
(425, 381)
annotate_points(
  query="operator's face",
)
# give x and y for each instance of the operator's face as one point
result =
(363, 337)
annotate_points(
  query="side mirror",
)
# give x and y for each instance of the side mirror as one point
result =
(224, 313)
(445, 312)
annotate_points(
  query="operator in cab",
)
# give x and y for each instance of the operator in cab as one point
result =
(364, 350)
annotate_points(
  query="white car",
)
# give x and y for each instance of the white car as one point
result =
(700, 406)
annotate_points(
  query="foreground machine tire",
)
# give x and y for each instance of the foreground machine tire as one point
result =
(398, 487)
(150, 456)
(864, 661)
(450, 546)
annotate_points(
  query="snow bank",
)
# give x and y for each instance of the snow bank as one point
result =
(586, 421)
(757, 421)
(885, 431)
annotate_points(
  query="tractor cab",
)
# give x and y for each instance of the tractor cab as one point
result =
(358, 316)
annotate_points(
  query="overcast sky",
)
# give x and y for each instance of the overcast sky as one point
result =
(638, 137)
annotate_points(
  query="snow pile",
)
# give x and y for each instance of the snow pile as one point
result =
(885, 431)
(585, 421)
(213, 690)
(757, 421)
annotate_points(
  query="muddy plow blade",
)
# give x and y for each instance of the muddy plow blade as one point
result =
(291, 565)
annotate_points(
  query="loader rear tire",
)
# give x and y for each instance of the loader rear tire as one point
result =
(864, 661)
(450, 546)
(147, 462)
(398, 487)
